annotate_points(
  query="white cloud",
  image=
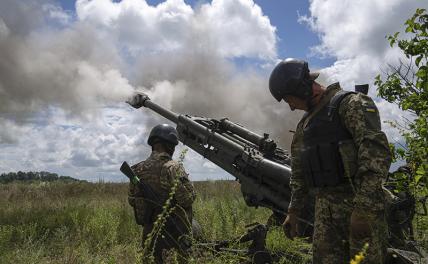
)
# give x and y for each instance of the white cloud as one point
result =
(349, 28)
(354, 33)
(79, 148)
(88, 150)
(239, 28)
(234, 28)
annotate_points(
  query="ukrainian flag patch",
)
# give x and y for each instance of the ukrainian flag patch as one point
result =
(371, 109)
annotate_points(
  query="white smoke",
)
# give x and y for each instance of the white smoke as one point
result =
(58, 72)
(71, 68)
(88, 62)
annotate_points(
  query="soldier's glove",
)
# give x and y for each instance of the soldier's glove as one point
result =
(138, 99)
(360, 224)
(290, 226)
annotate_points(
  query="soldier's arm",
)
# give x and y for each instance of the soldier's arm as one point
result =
(184, 194)
(133, 191)
(361, 117)
(131, 194)
(299, 189)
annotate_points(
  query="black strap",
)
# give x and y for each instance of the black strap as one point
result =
(336, 100)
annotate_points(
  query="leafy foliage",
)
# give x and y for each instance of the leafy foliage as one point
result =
(407, 86)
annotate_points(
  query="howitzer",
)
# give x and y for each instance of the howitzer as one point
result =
(260, 166)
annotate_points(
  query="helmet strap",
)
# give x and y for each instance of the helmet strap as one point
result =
(307, 85)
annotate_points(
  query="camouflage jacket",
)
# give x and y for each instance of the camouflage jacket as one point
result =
(161, 173)
(366, 158)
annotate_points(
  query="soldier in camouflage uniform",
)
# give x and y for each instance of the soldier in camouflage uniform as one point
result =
(340, 153)
(163, 175)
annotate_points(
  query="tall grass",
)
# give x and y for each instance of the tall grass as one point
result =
(79, 222)
(66, 223)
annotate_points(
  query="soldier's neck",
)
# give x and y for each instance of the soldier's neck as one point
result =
(162, 149)
(318, 92)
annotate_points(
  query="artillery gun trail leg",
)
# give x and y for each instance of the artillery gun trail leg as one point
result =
(275, 219)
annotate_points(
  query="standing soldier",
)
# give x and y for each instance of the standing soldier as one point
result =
(167, 178)
(339, 152)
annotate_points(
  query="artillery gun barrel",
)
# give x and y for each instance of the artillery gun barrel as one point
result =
(198, 128)
(173, 117)
(241, 131)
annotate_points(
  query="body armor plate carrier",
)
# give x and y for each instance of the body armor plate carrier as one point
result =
(321, 160)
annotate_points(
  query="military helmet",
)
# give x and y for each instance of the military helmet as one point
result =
(163, 132)
(291, 77)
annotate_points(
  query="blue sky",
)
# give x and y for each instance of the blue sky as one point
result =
(299, 38)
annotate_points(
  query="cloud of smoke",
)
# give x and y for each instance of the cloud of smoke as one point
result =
(40, 66)
(213, 87)
(184, 56)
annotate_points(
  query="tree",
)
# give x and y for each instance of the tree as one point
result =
(407, 86)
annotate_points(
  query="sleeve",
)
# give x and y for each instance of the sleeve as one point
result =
(184, 194)
(298, 186)
(360, 116)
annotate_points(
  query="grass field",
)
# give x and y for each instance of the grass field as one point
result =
(79, 222)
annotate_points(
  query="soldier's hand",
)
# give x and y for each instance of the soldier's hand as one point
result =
(290, 225)
(138, 99)
(360, 224)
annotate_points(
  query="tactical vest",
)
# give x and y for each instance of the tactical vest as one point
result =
(149, 171)
(321, 160)
(155, 172)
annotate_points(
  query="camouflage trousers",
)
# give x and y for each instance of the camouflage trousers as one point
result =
(332, 241)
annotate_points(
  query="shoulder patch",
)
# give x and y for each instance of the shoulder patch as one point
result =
(361, 105)
(367, 104)
(370, 109)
